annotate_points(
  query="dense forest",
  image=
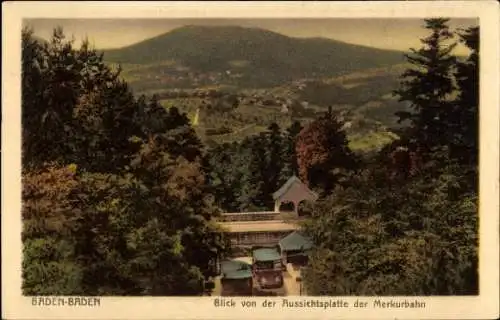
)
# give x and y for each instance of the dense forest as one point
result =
(121, 193)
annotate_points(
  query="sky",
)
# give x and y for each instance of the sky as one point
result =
(398, 34)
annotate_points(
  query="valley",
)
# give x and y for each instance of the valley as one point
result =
(237, 81)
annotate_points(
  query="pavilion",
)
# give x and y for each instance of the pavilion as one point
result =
(293, 191)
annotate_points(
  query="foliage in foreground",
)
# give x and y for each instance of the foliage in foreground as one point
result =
(381, 236)
(408, 224)
(114, 190)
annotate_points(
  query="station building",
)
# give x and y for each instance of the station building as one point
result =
(268, 228)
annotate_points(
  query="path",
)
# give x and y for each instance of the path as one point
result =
(291, 285)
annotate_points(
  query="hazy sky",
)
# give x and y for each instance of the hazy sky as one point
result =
(399, 34)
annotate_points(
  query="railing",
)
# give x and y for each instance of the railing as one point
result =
(250, 216)
(257, 238)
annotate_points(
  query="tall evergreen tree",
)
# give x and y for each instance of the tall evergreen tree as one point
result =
(464, 137)
(275, 163)
(290, 155)
(226, 167)
(428, 86)
(50, 73)
(253, 195)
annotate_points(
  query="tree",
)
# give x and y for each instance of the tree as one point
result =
(49, 224)
(74, 107)
(48, 95)
(273, 175)
(103, 129)
(290, 155)
(443, 90)
(464, 138)
(323, 151)
(225, 175)
(252, 194)
(428, 87)
(180, 137)
(111, 213)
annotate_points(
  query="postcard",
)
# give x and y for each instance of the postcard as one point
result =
(250, 160)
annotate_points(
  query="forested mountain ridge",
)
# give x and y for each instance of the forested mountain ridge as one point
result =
(252, 50)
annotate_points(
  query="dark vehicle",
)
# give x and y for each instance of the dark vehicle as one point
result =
(267, 268)
(237, 278)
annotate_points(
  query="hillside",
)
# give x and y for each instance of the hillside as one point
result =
(248, 57)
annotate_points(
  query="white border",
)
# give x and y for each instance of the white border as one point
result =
(14, 306)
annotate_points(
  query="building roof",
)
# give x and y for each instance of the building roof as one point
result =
(236, 269)
(266, 254)
(290, 182)
(258, 226)
(238, 274)
(295, 242)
